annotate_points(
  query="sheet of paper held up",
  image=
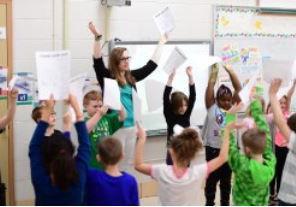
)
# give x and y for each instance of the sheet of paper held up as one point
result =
(278, 69)
(165, 21)
(154, 92)
(175, 60)
(207, 61)
(53, 74)
(137, 104)
(245, 93)
(76, 88)
(111, 94)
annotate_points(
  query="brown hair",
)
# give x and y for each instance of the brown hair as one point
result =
(59, 161)
(292, 122)
(110, 151)
(36, 113)
(186, 145)
(114, 61)
(177, 100)
(255, 140)
(91, 96)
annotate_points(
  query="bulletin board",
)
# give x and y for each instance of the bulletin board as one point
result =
(241, 32)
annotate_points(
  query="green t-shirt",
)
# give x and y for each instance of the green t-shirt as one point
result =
(251, 178)
(106, 126)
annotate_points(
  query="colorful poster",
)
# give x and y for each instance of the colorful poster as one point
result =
(25, 83)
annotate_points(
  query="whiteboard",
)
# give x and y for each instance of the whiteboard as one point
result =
(270, 30)
(141, 52)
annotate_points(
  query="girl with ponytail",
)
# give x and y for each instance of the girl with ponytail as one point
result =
(59, 177)
(178, 183)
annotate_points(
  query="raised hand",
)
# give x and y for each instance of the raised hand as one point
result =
(13, 94)
(93, 29)
(228, 68)
(189, 71)
(163, 39)
(274, 86)
(235, 108)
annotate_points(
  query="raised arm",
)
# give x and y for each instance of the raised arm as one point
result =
(99, 66)
(38, 171)
(167, 93)
(151, 65)
(192, 92)
(278, 116)
(12, 96)
(290, 94)
(209, 95)
(235, 82)
(139, 163)
(83, 152)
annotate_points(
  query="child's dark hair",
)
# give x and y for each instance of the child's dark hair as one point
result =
(223, 90)
(58, 159)
(177, 99)
(186, 145)
(255, 140)
(110, 151)
(292, 122)
(36, 113)
(91, 96)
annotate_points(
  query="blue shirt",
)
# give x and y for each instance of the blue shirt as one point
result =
(45, 192)
(126, 98)
(105, 190)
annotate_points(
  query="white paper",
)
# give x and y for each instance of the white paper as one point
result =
(111, 94)
(165, 21)
(154, 89)
(245, 93)
(2, 33)
(137, 105)
(53, 74)
(175, 60)
(178, 129)
(208, 61)
(23, 84)
(76, 88)
(278, 69)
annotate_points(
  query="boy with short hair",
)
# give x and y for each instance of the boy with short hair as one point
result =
(254, 170)
(99, 123)
(111, 187)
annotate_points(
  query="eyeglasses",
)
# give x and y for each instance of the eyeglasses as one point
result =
(125, 58)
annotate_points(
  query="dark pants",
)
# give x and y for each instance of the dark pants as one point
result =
(282, 203)
(222, 174)
(2, 193)
(281, 155)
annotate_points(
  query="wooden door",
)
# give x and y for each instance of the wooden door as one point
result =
(6, 138)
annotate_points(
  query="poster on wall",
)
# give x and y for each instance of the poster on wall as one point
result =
(25, 83)
(246, 61)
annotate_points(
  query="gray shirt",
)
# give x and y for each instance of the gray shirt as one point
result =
(215, 121)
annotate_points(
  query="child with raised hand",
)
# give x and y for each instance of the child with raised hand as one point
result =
(12, 97)
(178, 183)
(62, 180)
(111, 187)
(177, 107)
(281, 149)
(99, 123)
(254, 169)
(287, 191)
(211, 132)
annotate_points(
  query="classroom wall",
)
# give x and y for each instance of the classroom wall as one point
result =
(57, 24)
